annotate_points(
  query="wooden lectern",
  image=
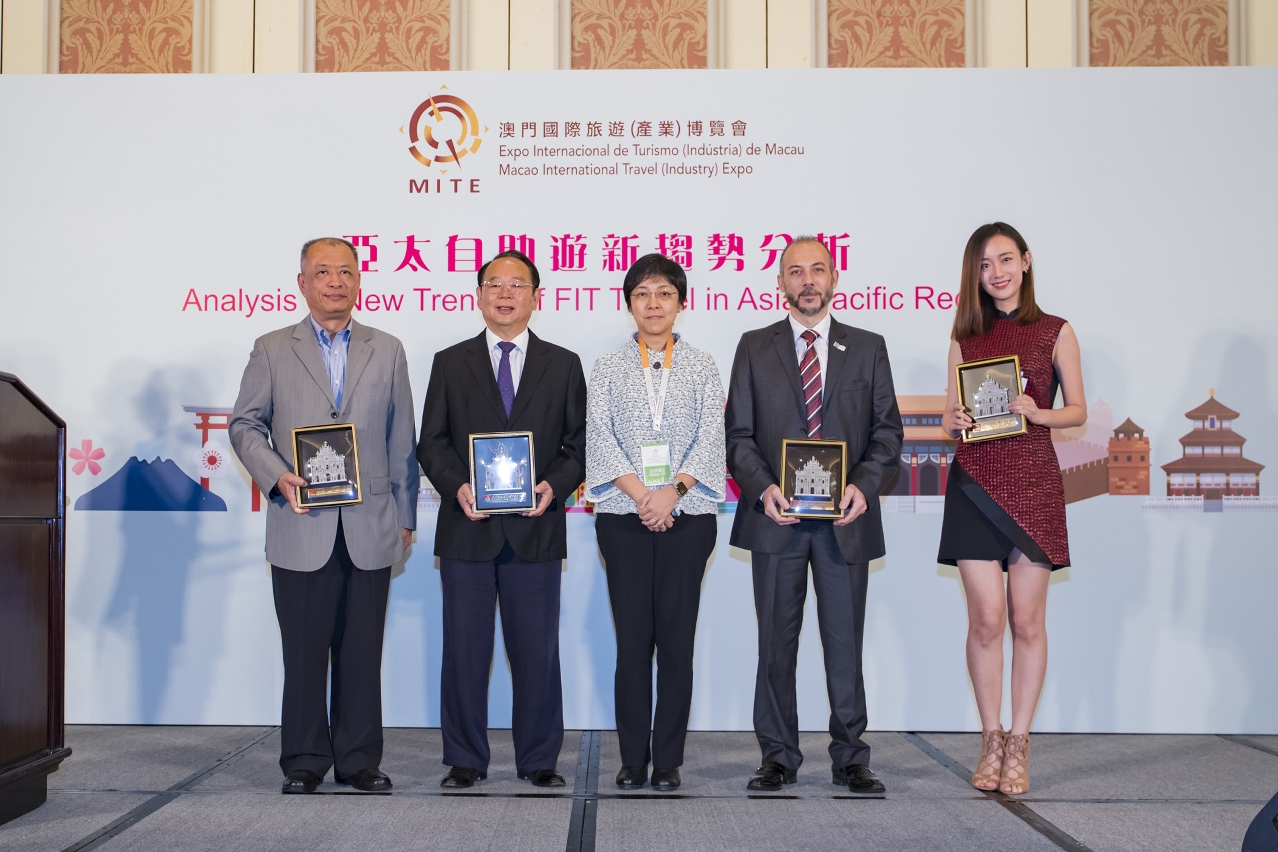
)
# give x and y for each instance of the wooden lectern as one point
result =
(32, 597)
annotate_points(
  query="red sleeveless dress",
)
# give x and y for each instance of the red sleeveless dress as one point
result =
(1013, 484)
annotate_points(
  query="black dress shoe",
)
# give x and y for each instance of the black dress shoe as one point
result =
(461, 777)
(543, 778)
(666, 779)
(300, 781)
(770, 776)
(858, 779)
(632, 777)
(368, 780)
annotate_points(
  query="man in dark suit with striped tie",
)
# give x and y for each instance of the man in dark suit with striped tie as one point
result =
(506, 379)
(811, 376)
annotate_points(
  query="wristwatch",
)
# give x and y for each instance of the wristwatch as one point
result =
(680, 488)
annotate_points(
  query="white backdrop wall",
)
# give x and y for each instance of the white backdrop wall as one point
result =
(1148, 198)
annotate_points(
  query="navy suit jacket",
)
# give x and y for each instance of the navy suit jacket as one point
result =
(462, 399)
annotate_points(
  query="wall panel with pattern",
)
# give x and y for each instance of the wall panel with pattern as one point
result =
(1159, 32)
(896, 33)
(381, 35)
(126, 36)
(639, 33)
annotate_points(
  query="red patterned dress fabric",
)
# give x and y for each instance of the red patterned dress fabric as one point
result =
(1021, 474)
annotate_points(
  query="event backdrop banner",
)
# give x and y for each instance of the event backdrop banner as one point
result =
(150, 228)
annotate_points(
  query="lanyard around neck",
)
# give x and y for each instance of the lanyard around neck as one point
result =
(656, 404)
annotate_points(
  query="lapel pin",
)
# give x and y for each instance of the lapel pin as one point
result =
(840, 346)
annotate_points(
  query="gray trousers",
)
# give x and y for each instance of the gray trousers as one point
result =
(780, 590)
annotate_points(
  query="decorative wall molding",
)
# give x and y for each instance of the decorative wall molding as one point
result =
(128, 37)
(1161, 32)
(53, 37)
(1237, 32)
(714, 34)
(1082, 37)
(639, 33)
(1130, 32)
(896, 33)
(564, 48)
(972, 33)
(821, 33)
(379, 35)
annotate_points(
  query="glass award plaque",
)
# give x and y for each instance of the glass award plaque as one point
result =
(813, 476)
(986, 388)
(327, 457)
(502, 472)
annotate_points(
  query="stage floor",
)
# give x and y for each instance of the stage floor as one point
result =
(217, 789)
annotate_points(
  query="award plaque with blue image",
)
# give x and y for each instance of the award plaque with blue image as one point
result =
(502, 472)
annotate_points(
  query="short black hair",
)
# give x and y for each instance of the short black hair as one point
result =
(329, 241)
(655, 266)
(513, 255)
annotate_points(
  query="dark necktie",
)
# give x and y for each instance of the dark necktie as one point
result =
(810, 375)
(505, 384)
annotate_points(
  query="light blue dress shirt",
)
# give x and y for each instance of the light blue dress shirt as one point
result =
(334, 352)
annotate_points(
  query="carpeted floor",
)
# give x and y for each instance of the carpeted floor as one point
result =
(216, 789)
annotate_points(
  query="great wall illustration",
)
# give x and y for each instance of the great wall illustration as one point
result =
(1212, 474)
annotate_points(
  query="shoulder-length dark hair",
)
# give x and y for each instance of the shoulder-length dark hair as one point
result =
(975, 313)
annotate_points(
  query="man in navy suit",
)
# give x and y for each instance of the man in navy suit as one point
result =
(811, 376)
(505, 379)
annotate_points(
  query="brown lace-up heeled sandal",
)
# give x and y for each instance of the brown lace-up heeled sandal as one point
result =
(989, 769)
(1015, 765)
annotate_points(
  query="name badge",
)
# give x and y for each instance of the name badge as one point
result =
(656, 464)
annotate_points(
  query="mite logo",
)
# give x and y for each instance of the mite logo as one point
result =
(443, 130)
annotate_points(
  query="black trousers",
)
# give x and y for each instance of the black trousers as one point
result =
(654, 585)
(780, 590)
(529, 594)
(336, 614)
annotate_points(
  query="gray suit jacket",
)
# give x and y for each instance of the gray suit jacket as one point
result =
(285, 386)
(765, 405)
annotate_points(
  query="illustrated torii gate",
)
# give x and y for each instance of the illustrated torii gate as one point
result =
(213, 418)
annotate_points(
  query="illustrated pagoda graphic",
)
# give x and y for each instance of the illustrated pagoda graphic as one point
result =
(1128, 466)
(926, 455)
(327, 465)
(812, 480)
(1212, 464)
(991, 399)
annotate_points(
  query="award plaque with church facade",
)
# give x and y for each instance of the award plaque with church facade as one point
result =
(502, 472)
(987, 388)
(327, 457)
(813, 476)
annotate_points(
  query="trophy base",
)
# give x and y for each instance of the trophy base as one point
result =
(345, 491)
(813, 508)
(498, 503)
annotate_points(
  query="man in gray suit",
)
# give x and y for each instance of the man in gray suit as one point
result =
(330, 567)
(811, 376)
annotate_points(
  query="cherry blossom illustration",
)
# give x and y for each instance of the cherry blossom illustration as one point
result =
(86, 455)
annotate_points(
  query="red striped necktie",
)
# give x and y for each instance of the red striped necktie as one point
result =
(810, 375)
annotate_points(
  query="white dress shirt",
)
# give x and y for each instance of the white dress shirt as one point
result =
(822, 343)
(516, 354)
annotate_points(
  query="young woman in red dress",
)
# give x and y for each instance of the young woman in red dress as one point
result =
(1004, 500)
